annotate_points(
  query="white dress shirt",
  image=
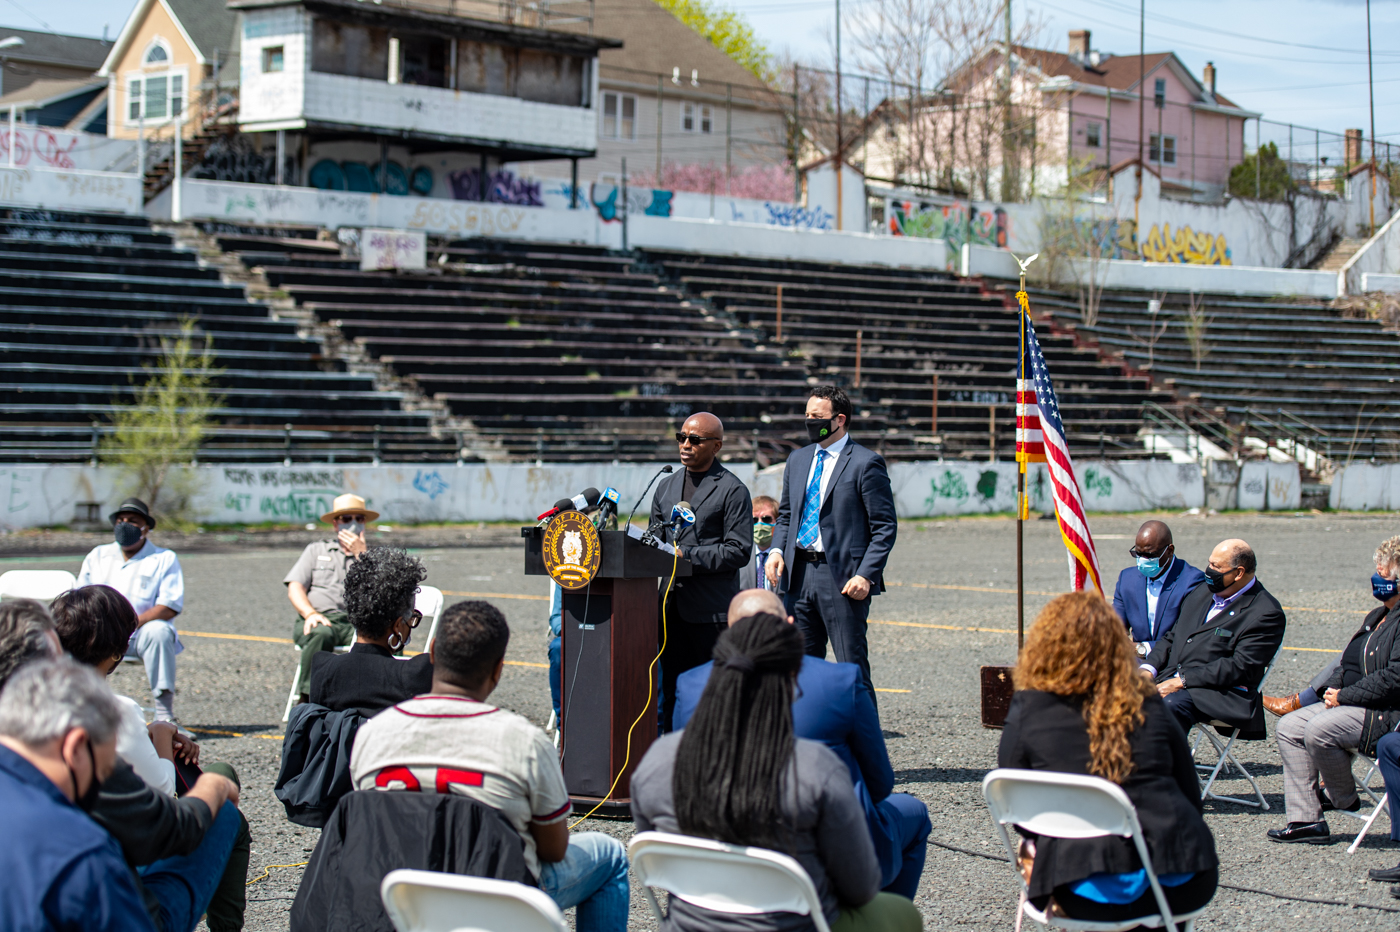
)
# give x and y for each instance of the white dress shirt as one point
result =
(152, 577)
(1154, 592)
(833, 452)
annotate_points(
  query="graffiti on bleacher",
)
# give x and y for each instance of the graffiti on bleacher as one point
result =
(957, 223)
(649, 202)
(430, 484)
(502, 187)
(980, 397)
(801, 218)
(1185, 246)
(264, 478)
(329, 175)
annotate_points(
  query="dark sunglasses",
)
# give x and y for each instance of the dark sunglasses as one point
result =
(692, 439)
(348, 519)
(1136, 553)
(415, 619)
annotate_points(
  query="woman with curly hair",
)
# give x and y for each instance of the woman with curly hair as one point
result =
(1081, 706)
(380, 588)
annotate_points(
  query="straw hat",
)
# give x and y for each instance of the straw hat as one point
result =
(348, 504)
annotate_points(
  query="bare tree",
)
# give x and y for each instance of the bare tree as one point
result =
(895, 39)
(1197, 324)
(1155, 330)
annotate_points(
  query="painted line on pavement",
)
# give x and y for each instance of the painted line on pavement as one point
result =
(254, 637)
(499, 595)
(915, 624)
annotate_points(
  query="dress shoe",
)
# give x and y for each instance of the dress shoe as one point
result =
(1281, 706)
(1313, 833)
(1329, 806)
(1385, 874)
(1395, 892)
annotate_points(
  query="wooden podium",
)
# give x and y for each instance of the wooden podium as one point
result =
(610, 637)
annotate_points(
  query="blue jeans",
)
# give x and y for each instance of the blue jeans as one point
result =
(185, 885)
(1388, 760)
(555, 648)
(593, 877)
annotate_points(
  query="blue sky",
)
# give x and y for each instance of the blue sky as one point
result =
(1299, 61)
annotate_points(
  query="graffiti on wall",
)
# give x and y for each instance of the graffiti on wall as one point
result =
(648, 201)
(1114, 239)
(328, 175)
(957, 223)
(801, 218)
(1185, 246)
(502, 187)
(235, 159)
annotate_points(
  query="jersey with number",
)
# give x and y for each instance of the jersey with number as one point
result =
(451, 744)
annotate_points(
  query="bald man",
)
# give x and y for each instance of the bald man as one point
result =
(717, 545)
(833, 705)
(1208, 666)
(1149, 593)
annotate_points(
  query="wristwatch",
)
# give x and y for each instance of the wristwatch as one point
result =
(1143, 648)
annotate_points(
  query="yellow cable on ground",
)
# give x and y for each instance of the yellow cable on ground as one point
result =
(651, 685)
(267, 871)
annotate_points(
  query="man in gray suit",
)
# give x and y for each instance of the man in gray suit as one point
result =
(765, 516)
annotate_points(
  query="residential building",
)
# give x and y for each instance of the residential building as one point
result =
(47, 56)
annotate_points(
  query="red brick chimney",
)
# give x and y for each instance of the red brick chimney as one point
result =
(1079, 44)
(1209, 75)
(1354, 147)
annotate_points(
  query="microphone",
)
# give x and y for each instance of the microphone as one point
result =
(681, 516)
(607, 505)
(663, 471)
(583, 501)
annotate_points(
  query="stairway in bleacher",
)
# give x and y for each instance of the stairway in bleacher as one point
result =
(1338, 255)
(88, 298)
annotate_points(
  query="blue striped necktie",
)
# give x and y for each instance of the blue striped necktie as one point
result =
(812, 505)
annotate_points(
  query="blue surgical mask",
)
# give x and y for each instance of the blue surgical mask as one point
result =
(1151, 567)
(1383, 588)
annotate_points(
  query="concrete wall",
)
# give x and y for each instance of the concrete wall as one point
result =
(70, 190)
(41, 496)
(45, 148)
(1366, 487)
(1377, 259)
(1376, 281)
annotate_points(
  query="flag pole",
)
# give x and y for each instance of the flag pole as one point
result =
(1020, 483)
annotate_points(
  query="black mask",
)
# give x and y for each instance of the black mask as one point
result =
(1215, 581)
(126, 534)
(819, 428)
(88, 800)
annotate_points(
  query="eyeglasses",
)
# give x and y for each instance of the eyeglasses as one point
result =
(415, 618)
(693, 439)
(1136, 553)
(349, 519)
(764, 519)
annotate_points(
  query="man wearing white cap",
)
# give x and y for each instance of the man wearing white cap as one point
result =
(316, 584)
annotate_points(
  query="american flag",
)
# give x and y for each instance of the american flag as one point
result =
(1040, 438)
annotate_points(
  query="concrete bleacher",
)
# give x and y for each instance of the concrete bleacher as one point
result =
(88, 299)
(1267, 363)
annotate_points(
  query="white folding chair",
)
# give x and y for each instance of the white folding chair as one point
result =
(1225, 754)
(1378, 803)
(428, 901)
(724, 878)
(1070, 805)
(42, 585)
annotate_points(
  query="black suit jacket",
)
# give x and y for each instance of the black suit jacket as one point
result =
(717, 545)
(857, 518)
(1232, 651)
(368, 679)
(1047, 732)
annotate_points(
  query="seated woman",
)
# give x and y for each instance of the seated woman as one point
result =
(737, 774)
(379, 594)
(1358, 707)
(1081, 706)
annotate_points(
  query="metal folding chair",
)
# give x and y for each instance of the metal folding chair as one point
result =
(1225, 754)
(40, 585)
(1071, 805)
(1378, 803)
(428, 901)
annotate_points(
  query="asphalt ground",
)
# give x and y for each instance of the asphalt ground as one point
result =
(950, 608)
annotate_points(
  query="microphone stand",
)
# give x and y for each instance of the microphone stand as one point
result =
(668, 468)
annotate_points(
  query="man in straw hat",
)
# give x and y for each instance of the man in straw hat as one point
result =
(316, 584)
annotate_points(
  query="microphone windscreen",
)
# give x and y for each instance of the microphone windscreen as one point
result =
(564, 504)
(591, 496)
(685, 505)
(667, 468)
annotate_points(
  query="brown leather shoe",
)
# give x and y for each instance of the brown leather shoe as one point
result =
(1280, 706)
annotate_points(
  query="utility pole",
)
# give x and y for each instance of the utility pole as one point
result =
(1008, 144)
(1142, 78)
(839, 198)
(796, 135)
(1371, 86)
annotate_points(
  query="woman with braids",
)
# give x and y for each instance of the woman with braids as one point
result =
(1081, 706)
(737, 774)
(379, 594)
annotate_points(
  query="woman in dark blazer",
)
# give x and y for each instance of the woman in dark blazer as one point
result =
(1081, 706)
(379, 594)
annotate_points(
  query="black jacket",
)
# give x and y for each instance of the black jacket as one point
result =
(368, 679)
(373, 832)
(1232, 651)
(1378, 691)
(717, 545)
(1047, 732)
(315, 770)
(148, 825)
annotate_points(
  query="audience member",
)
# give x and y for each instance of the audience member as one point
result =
(1148, 595)
(765, 517)
(58, 729)
(1388, 760)
(1208, 666)
(452, 741)
(163, 841)
(26, 634)
(316, 584)
(833, 706)
(738, 774)
(1384, 585)
(379, 595)
(1080, 707)
(1358, 707)
(150, 578)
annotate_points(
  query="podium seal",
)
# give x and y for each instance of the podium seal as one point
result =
(571, 550)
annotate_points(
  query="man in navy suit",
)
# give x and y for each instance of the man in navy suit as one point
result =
(832, 705)
(1148, 595)
(836, 527)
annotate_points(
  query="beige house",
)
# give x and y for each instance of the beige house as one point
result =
(162, 65)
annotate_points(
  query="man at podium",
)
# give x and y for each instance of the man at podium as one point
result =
(718, 545)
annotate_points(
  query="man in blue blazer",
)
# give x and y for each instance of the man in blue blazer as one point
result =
(832, 705)
(836, 527)
(1148, 595)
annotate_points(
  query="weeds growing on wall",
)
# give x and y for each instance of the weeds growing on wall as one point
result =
(165, 423)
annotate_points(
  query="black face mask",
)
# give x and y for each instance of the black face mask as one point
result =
(820, 428)
(126, 534)
(88, 800)
(1215, 581)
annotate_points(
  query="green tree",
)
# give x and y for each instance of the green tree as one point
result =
(1274, 181)
(165, 423)
(727, 31)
